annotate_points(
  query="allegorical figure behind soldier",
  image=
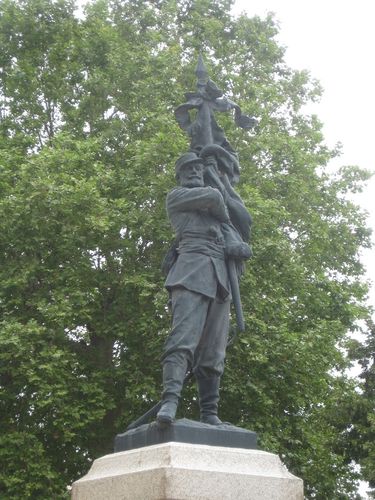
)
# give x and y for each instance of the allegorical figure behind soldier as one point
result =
(212, 227)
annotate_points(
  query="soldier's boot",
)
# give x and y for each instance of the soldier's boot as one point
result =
(173, 379)
(208, 400)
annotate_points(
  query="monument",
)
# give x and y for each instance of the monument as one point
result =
(210, 459)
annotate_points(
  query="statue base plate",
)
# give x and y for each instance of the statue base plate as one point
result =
(186, 431)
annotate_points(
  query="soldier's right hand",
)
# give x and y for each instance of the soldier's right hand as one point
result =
(239, 250)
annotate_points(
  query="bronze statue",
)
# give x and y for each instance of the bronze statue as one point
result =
(212, 229)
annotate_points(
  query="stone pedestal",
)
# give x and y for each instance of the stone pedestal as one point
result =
(181, 471)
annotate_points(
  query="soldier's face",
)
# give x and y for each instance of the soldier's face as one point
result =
(191, 175)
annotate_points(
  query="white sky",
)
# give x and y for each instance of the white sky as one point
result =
(335, 41)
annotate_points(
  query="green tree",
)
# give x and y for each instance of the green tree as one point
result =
(87, 147)
(362, 433)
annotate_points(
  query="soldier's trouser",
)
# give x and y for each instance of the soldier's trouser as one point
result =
(199, 333)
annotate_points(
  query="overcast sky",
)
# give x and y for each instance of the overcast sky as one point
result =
(335, 41)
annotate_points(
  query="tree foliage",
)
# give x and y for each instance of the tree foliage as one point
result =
(87, 147)
(362, 432)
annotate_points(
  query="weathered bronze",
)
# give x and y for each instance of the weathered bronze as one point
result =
(212, 229)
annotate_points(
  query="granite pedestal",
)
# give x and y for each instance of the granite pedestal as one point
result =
(183, 471)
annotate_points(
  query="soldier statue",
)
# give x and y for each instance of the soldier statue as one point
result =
(199, 284)
(212, 228)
